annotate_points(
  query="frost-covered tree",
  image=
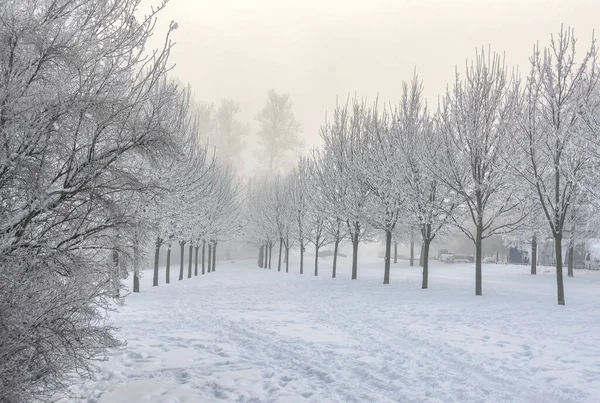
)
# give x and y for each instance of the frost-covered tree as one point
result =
(222, 211)
(337, 179)
(377, 171)
(476, 117)
(80, 100)
(558, 94)
(301, 199)
(429, 201)
(278, 130)
(326, 197)
(284, 216)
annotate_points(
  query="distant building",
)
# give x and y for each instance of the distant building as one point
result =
(516, 256)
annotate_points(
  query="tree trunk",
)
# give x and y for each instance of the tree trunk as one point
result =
(317, 256)
(156, 260)
(335, 253)
(287, 261)
(270, 253)
(203, 250)
(301, 256)
(136, 263)
(421, 256)
(116, 273)
(412, 254)
(355, 257)
(559, 274)
(280, 251)
(190, 253)
(181, 259)
(425, 283)
(214, 262)
(571, 260)
(168, 269)
(266, 256)
(136, 280)
(533, 255)
(395, 251)
(478, 250)
(387, 259)
(209, 257)
(196, 261)
(260, 256)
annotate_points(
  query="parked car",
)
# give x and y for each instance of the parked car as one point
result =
(489, 259)
(446, 258)
(462, 259)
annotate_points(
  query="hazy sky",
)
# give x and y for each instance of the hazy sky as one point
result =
(319, 49)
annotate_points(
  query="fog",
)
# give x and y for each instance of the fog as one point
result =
(317, 50)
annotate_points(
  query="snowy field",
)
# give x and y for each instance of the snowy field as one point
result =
(245, 334)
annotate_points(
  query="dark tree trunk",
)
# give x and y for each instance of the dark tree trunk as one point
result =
(478, 253)
(156, 260)
(395, 251)
(136, 265)
(209, 257)
(203, 255)
(181, 259)
(270, 253)
(571, 260)
(265, 256)
(412, 254)
(533, 255)
(116, 273)
(425, 283)
(301, 256)
(287, 261)
(168, 268)
(421, 256)
(355, 257)
(280, 251)
(214, 262)
(387, 259)
(559, 274)
(136, 281)
(335, 253)
(196, 261)
(317, 256)
(190, 253)
(260, 256)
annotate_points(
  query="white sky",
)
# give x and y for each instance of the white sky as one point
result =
(319, 49)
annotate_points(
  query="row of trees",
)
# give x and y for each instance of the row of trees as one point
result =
(500, 155)
(99, 156)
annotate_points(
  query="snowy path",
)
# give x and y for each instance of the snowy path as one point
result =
(249, 335)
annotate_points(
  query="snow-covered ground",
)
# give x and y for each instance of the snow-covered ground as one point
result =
(246, 334)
